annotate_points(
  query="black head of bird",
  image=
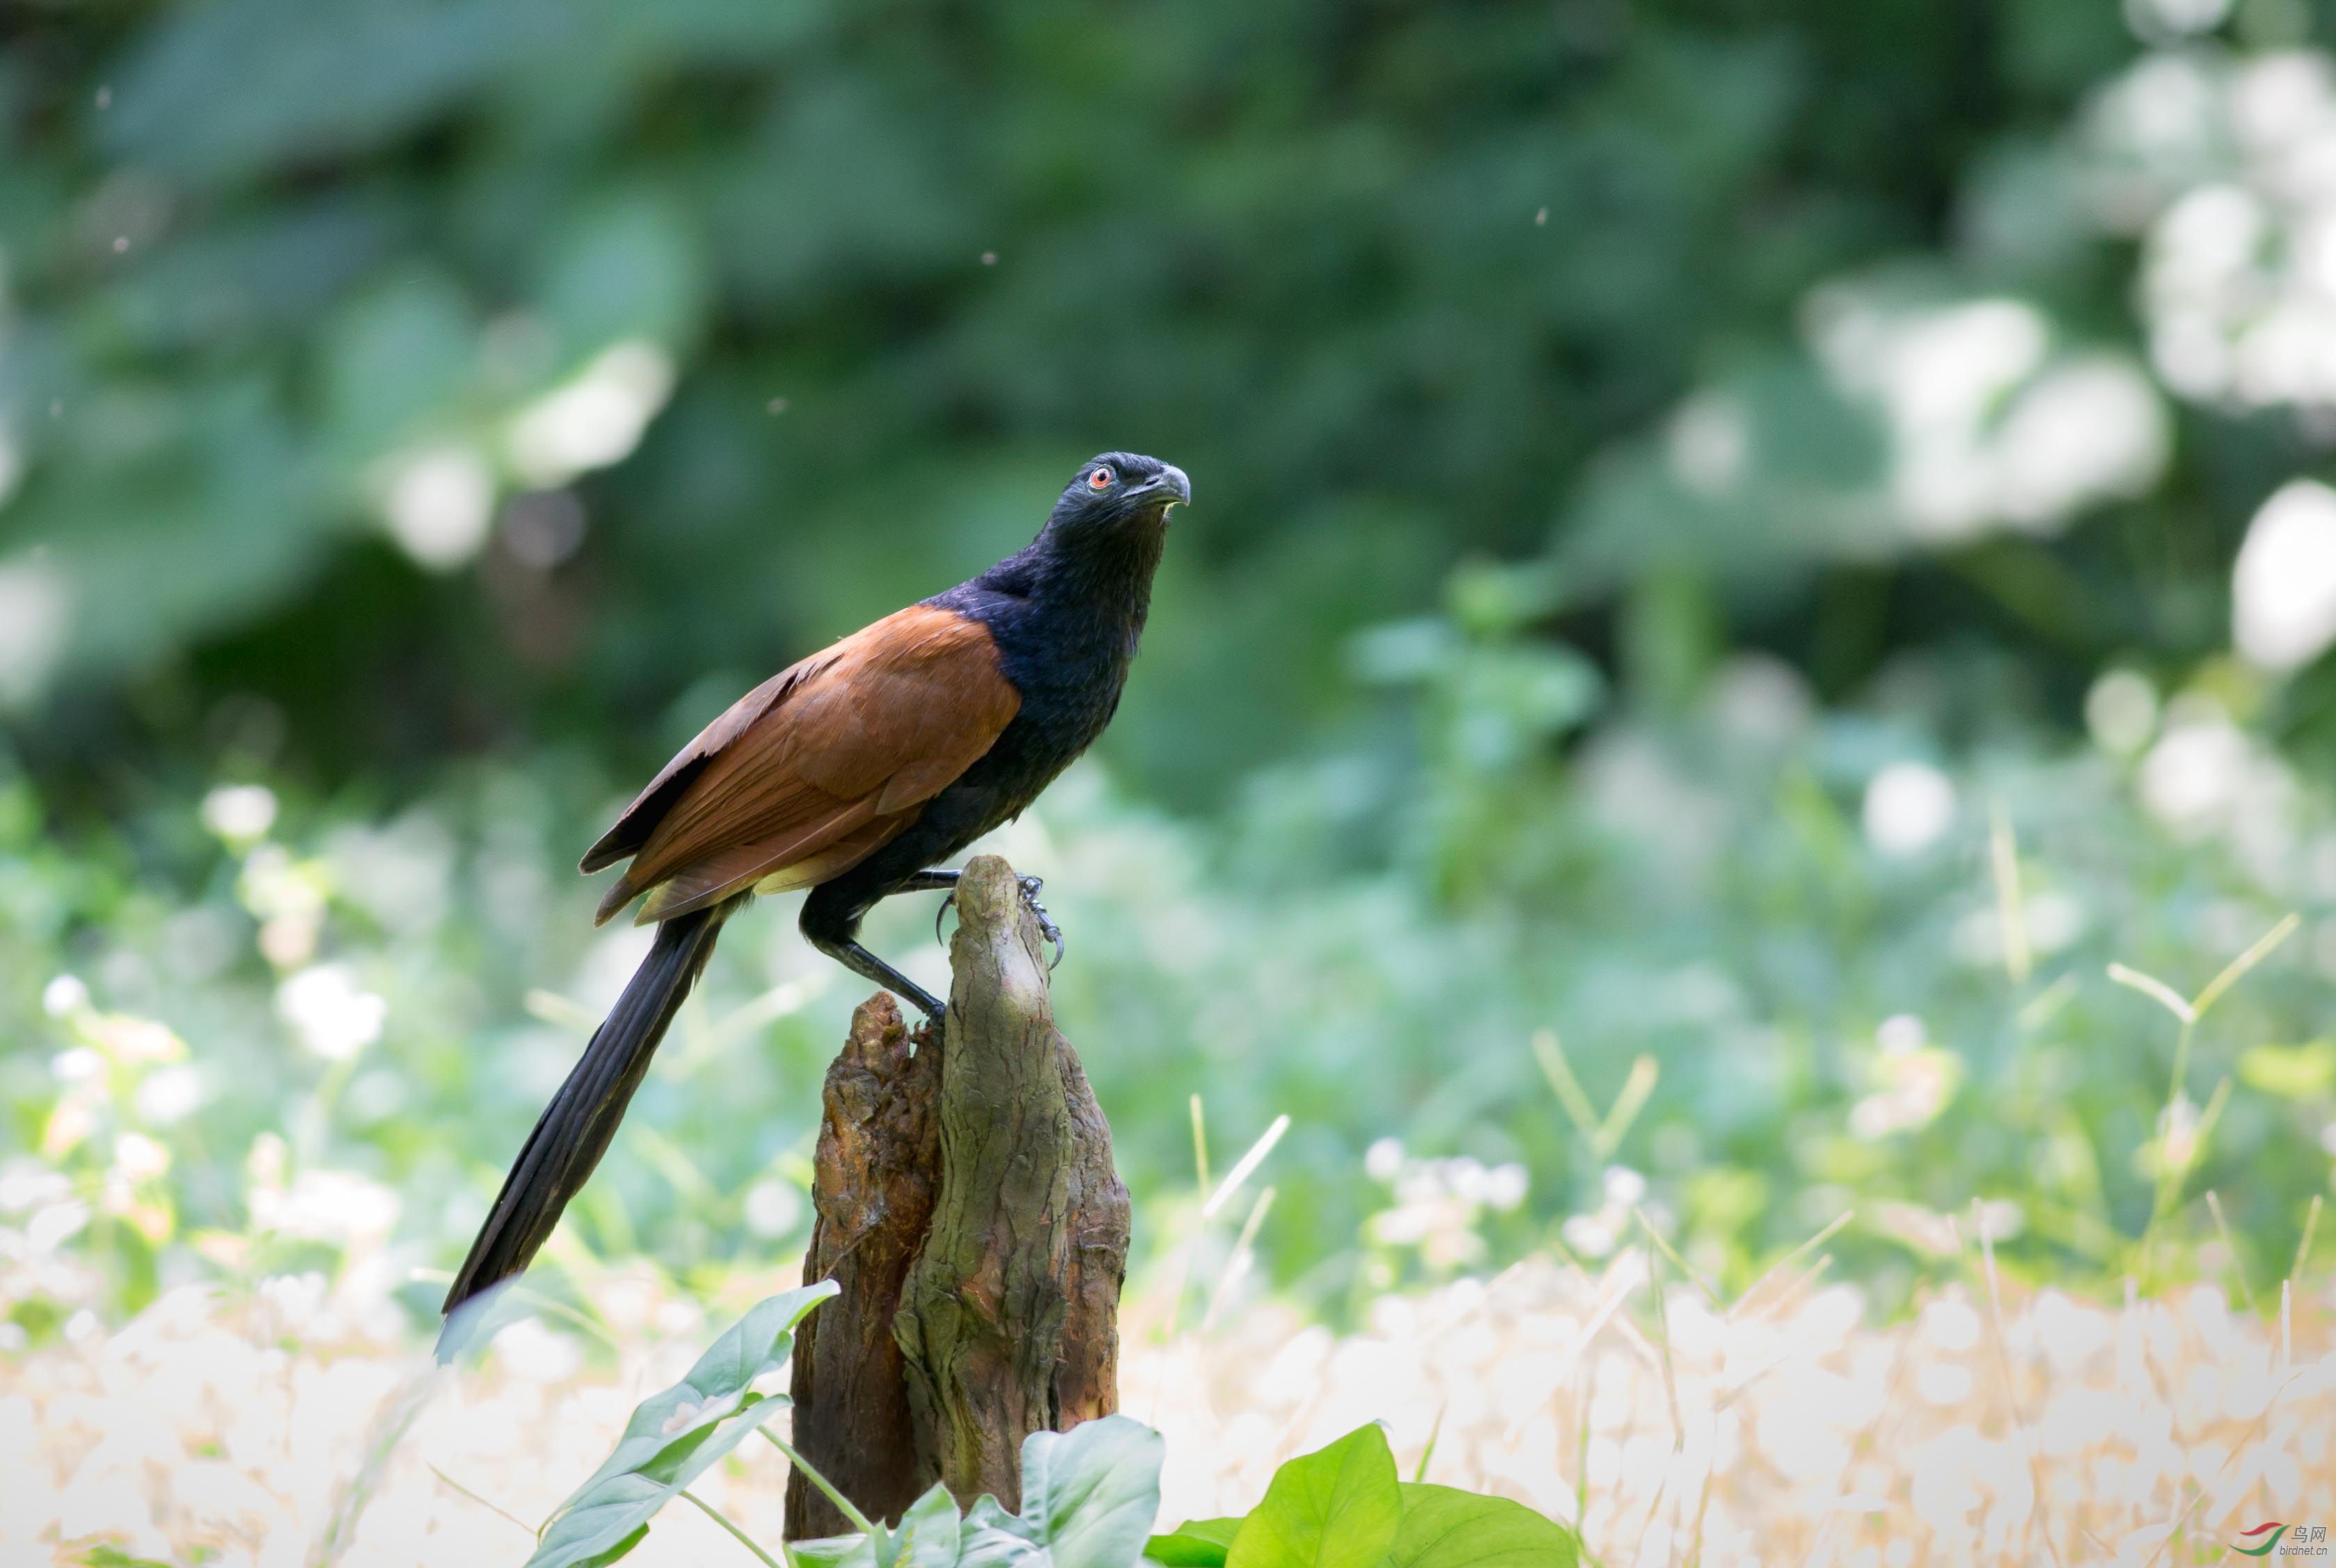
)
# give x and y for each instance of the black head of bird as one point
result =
(1116, 490)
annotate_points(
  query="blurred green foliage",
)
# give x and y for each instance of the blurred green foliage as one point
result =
(1713, 546)
(1829, 1023)
(1385, 280)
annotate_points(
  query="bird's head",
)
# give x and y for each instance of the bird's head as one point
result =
(1115, 489)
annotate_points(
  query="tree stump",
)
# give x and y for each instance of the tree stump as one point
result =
(966, 1203)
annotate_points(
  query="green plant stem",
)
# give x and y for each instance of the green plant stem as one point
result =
(723, 1519)
(1794, 1256)
(2231, 1246)
(843, 1504)
(1678, 1262)
(1428, 1453)
(2303, 1245)
(533, 1533)
(2169, 1178)
(1199, 1144)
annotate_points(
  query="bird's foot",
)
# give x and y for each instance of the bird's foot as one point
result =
(1031, 887)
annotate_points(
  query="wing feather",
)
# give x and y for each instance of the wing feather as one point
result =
(815, 769)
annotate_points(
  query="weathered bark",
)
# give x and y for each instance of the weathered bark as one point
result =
(967, 1205)
(872, 1194)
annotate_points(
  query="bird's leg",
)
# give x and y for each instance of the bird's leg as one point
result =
(868, 966)
(834, 932)
(925, 881)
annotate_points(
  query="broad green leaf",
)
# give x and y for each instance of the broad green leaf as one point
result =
(853, 1551)
(929, 1532)
(1444, 1527)
(1338, 1508)
(625, 268)
(622, 1548)
(925, 1537)
(1089, 1496)
(994, 1538)
(1195, 1543)
(673, 1437)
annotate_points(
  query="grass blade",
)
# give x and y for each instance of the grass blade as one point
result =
(2156, 990)
(1245, 1167)
(1199, 1144)
(1677, 1262)
(1237, 1265)
(2004, 859)
(464, 1491)
(1794, 1256)
(1419, 1473)
(1551, 1055)
(1627, 1107)
(2231, 1246)
(2304, 1247)
(2235, 970)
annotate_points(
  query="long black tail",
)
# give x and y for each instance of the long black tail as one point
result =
(575, 1129)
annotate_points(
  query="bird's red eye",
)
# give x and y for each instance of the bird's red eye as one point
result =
(1100, 479)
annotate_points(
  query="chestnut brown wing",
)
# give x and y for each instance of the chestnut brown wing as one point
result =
(815, 769)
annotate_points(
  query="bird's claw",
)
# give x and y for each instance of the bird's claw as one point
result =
(1031, 887)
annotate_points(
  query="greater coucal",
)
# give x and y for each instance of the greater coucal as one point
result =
(851, 773)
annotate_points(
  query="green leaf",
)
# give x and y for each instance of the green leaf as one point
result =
(928, 1533)
(853, 1551)
(625, 268)
(1194, 1543)
(1444, 1527)
(1089, 1496)
(674, 1437)
(105, 1555)
(2291, 1071)
(1338, 1508)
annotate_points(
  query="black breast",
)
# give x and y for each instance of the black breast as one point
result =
(1066, 624)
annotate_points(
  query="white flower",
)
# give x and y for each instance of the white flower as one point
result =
(334, 1018)
(326, 1205)
(239, 813)
(64, 996)
(1590, 1235)
(2283, 585)
(169, 1095)
(1624, 1186)
(140, 1157)
(1505, 1186)
(1907, 806)
(437, 502)
(595, 420)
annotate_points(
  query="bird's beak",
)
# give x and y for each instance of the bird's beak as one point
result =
(1172, 480)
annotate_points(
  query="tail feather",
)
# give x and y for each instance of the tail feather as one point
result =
(575, 1129)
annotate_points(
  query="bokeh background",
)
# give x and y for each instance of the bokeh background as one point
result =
(1743, 555)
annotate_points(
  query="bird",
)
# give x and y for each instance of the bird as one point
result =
(853, 773)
